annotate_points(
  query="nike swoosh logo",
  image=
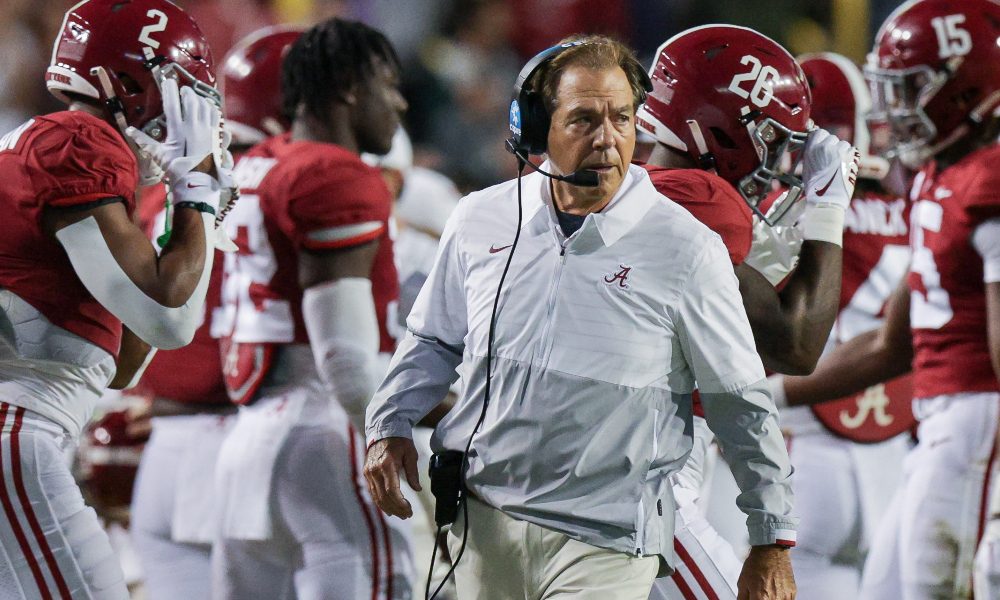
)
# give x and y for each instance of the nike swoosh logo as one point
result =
(494, 249)
(822, 191)
(191, 187)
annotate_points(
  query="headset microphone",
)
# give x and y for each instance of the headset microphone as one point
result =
(582, 178)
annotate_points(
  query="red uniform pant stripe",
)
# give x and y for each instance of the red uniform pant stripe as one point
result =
(692, 566)
(29, 511)
(683, 586)
(369, 521)
(15, 524)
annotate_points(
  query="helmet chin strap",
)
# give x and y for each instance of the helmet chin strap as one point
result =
(149, 172)
(705, 159)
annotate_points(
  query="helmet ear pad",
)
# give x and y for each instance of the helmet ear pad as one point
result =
(535, 121)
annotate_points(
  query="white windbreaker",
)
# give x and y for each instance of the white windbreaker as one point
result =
(600, 340)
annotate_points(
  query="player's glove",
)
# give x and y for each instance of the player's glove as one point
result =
(986, 578)
(774, 251)
(830, 171)
(193, 127)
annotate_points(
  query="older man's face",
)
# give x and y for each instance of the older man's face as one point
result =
(593, 127)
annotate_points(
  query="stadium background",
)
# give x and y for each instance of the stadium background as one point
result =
(460, 56)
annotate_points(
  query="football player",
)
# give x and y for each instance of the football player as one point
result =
(729, 106)
(306, 302)
(173, 516)
(936, 78)
(83, 293)
(847, 454)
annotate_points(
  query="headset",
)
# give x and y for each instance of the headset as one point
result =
(529, 128)
(529, 121)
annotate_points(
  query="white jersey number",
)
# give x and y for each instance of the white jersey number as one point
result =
(763, 77)
(248, 312)
(863, 312)
(953, 40)
(933, 310)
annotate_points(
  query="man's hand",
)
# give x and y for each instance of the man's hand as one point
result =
(830, 169)
(385, 459)
(193, 128)
(767, 575)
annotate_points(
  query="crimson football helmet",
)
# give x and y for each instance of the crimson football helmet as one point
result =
(935, 73)
(841, 103)
(251, 84)
(734, 101)
(118, 52)
(108, 461)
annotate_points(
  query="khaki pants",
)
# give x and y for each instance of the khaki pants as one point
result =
(508, 559)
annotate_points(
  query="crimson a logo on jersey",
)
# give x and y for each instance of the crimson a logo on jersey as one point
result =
(879, 413)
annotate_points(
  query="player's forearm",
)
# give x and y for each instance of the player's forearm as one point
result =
(810, 301)
(791, 328)
(850, 368)
(180, 266)
(133, 358)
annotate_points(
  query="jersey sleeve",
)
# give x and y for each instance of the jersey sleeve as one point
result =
(981, 200)
(715, 203)
(333, 207)
(76, 161)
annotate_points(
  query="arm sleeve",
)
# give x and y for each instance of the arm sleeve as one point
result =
(986, 241)
(77, 163)
(717, 341)
(343, 209)
(424, 365)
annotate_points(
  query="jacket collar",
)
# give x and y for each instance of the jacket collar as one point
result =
(632, 201)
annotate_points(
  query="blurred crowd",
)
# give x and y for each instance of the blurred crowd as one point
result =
(460, 56)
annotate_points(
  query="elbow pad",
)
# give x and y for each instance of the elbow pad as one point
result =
(344, 335)
(157, 325)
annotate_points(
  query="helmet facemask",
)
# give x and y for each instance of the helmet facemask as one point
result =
(779, 150)
(898, 98)
(157, 128)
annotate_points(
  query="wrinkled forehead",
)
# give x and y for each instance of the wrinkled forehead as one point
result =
(581, 86)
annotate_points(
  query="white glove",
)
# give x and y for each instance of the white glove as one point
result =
(193, 126)
(986, 575)
(774, 251)
(830, 171)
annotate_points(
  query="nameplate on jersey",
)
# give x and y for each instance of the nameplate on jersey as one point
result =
(244, 367)
(879, 413)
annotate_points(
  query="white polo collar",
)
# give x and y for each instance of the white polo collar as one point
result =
(629, 205)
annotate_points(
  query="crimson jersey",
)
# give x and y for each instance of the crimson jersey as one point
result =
(948, 296)
(712, 200)
(297, 196)
(62, 160)
(199, 361)
(876, 257)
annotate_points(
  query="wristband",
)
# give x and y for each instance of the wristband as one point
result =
(198, 206)
(823, 223)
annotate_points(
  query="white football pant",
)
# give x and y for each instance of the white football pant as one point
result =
(327, 540)
(924, 549)
(53, 544)
(842, 491)
(173, 512)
